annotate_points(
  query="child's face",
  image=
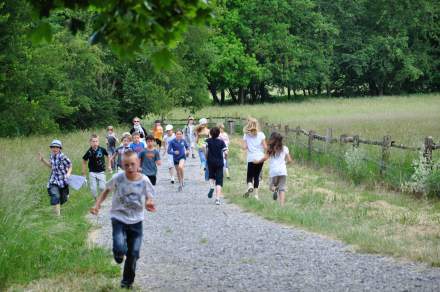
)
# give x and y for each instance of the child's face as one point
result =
(170, 132)
(150, 143)
(157, 124)
(110, 130)
(178, 135)
(137, 139)
(94, 143)
(125, 141)
(131, 164)
(55, 150)
(191, 122)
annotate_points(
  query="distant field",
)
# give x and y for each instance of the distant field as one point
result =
(408, 119)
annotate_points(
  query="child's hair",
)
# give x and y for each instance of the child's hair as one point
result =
(214, 132)
(275, 144)
(252, 127)
(149, 138)
(110, 128)
(93, 136)
(136, 133)
(179, 130)
(128, 154)
(199, 128)
(126, 135)
(221, 127)
(157, 121)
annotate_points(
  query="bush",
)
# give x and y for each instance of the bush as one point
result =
(356, 167)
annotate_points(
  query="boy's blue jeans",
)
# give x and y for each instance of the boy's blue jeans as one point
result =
(127, 240)
(203, 163)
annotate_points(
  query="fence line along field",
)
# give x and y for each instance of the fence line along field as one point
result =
(408, 119)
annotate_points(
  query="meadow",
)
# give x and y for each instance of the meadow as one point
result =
(35, 246)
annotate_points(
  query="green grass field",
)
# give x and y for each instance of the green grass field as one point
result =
(34, 244)
(369, 219)
(408, 119)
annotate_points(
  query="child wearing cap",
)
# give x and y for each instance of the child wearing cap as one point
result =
(61, 168)
(158, 133)
(167, 138)
(190, 138)
(202, 133)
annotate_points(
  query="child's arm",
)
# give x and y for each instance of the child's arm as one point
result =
(108, 162)
(95, 209)
(44, 161)
(244, 145)
(69, 171)
(266, 157)
(149, 205)
(264, 144)
(288, 158)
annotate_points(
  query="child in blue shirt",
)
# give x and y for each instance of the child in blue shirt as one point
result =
(137, 145)
(150, 159)
(180, 150)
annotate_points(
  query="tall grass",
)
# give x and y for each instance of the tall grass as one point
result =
(34, 243)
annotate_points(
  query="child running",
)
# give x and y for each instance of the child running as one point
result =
(224, 136)
(278, 155)
(150, 159)
(189, 135)
(216, 150)
(255, 144)
(111, 142)
(131, 192)
(126, 139)
(168, 137)
(179, 149)
(61, 168)
(137, 145)
(158, 133)
(202, 133)
(97, 158)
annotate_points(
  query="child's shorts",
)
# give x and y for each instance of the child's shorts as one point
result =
(170, 160)
(176, 162)
(279, 182)
(152, 179)
(215, 172)
(58, 195)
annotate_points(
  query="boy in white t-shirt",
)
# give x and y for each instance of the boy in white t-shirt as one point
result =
(278, 155)
(254, 142)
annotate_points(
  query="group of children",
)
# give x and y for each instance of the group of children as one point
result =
(136, 161)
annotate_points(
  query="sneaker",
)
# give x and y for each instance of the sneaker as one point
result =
(193, 156)
(172, 180)
(249, 191)
(126, 286)
(211, 191)
(275, 194)
(180, 188)
(256, 197)
(119, 259)
(217, 201)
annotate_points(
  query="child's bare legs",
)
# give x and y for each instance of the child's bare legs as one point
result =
(171, 170)
(282, 196)
(218, 192)
(179, 170)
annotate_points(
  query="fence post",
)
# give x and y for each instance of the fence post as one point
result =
(427, 151)
(231, 127)
(328, 138)
(309, 148)
(342, 138)
(385, 153)
(286, 130)
(297, 132)
(355, 141)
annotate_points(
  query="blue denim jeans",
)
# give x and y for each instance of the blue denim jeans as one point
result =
(58, 195)
(127, 240)
(203, 163)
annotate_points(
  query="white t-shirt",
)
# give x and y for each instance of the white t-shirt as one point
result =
(255, 149)
(277, 163)
(129, 197)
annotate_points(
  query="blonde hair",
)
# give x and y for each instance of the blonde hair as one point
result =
(221, 127)
(126, 135)
(252, 127)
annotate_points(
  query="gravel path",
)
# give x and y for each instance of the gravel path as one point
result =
(190, 244)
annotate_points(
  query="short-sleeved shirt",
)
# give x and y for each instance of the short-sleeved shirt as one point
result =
(119, 152)
(96, 159)
(255, 149)
(179, 145)
(167, 139)
(128, 199)
(277, 163)
(138, 148)
(60, 165)
(224, 136)
(148, 161)
(158, 133)
(215, 147)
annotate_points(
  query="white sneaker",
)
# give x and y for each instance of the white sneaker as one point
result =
(217, 201)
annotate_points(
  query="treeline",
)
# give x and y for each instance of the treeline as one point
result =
(250, 51)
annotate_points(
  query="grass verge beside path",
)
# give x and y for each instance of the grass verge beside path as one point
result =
(36, 246)
(368, 219)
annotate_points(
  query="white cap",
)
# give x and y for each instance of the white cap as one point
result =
(168, 127)
(203, 121)
(56, 143)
